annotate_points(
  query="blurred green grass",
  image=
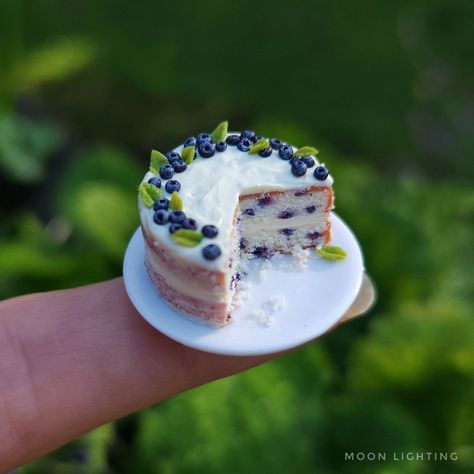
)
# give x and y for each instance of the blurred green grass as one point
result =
(385, 91)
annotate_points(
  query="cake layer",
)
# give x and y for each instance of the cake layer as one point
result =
(231, 201)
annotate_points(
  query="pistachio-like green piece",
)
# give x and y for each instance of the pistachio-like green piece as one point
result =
(331, 252)
(220, 132)
(187, 237)
(259, 146)
(187, 154)
(176, 204)
(149, 193)
(306, 151)
(157, 160)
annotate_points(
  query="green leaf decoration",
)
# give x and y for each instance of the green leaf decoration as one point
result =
(330, 252)
(306, 151)
(220, 132)
(149, 193)
(187, 237)
(157, 160)
(187, 154)
(259, 146)
(176, 204)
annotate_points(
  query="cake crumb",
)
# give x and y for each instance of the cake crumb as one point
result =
(263, 270)
(300, 258)
(261, 317)
(242, 294)
(275, 303)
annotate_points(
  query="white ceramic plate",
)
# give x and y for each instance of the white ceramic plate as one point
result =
(315, 299)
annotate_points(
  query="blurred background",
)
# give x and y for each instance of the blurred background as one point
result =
(384, 89)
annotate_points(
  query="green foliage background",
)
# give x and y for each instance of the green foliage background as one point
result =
(385, 89)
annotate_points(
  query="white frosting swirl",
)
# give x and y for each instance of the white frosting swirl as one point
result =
(210, 190)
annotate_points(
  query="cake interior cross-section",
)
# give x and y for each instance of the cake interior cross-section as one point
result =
(223, 196)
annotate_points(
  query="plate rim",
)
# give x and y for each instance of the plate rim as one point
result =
(195, 344)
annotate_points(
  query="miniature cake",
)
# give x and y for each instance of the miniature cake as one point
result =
(221, 195)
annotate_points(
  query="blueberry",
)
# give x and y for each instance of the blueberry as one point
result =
(173, 156)
(287, 232)
(191, 141)
(265, 201)
(296, 158)
(172, 185)
(257, 138)
(221, 146)
(313, 235)
(162, 203)
(276, 143)
(266, 152)
(206, 149)
(308, 161)
(174, 227)
(179, 166)
(155, 181)
(310, 209)
(285, 152)
(176, 217)
(288, 214)
(298, 168)
(203, 137)
(189, 224)
(166, 171)
(244, 144)
(211, 252)
(263, 252)
(321, 173)
(249, 212)
(160, 217)
(250, 134)
(209, 231)
(232, 140)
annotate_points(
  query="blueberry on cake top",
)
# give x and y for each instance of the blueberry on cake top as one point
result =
(219, 195)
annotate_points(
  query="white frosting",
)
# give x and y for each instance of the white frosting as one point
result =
(210, 190)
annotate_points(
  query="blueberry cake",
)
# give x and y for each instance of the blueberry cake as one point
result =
(219, 196)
